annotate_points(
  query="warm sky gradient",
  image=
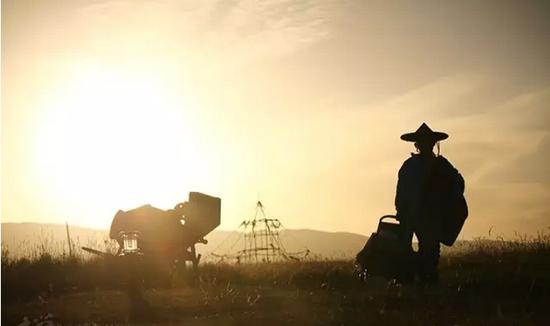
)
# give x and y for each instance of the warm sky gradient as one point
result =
(108, 105)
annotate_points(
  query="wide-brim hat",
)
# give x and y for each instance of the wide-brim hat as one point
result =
(424, 133)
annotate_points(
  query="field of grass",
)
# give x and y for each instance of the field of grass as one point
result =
(482, 282)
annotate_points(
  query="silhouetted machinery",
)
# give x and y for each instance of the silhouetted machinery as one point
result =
(166, 235)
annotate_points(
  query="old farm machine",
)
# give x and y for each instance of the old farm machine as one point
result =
(165, 237)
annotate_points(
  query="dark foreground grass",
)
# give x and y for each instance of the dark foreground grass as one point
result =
(483, 283)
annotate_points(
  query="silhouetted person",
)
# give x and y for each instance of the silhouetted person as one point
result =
(425, 188)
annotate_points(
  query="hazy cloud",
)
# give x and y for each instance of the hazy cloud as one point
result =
(228, 33)
(303, 102)
(532, 167)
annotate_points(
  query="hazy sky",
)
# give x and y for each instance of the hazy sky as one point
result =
(108, 105)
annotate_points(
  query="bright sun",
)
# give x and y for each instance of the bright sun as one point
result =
(115, 141)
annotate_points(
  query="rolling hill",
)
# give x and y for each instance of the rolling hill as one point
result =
(27, 239)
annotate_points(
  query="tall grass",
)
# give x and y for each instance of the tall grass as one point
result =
(483, 263)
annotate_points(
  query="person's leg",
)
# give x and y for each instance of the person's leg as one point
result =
(428, 255)
(407, 262)
(406, 235)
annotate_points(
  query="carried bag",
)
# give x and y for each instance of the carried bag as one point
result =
(383, 254)
(455, 209)
(453, 221)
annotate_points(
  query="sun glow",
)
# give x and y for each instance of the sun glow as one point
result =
(115, 141)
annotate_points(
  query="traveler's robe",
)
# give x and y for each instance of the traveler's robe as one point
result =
(427, 193)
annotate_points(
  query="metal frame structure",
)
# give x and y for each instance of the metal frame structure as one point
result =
(261, 240)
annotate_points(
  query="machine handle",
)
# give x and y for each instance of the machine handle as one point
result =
(388, 216)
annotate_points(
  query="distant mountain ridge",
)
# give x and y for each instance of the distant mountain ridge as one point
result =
(27, 239)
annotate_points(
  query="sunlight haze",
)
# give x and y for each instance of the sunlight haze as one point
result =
(110, 105)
